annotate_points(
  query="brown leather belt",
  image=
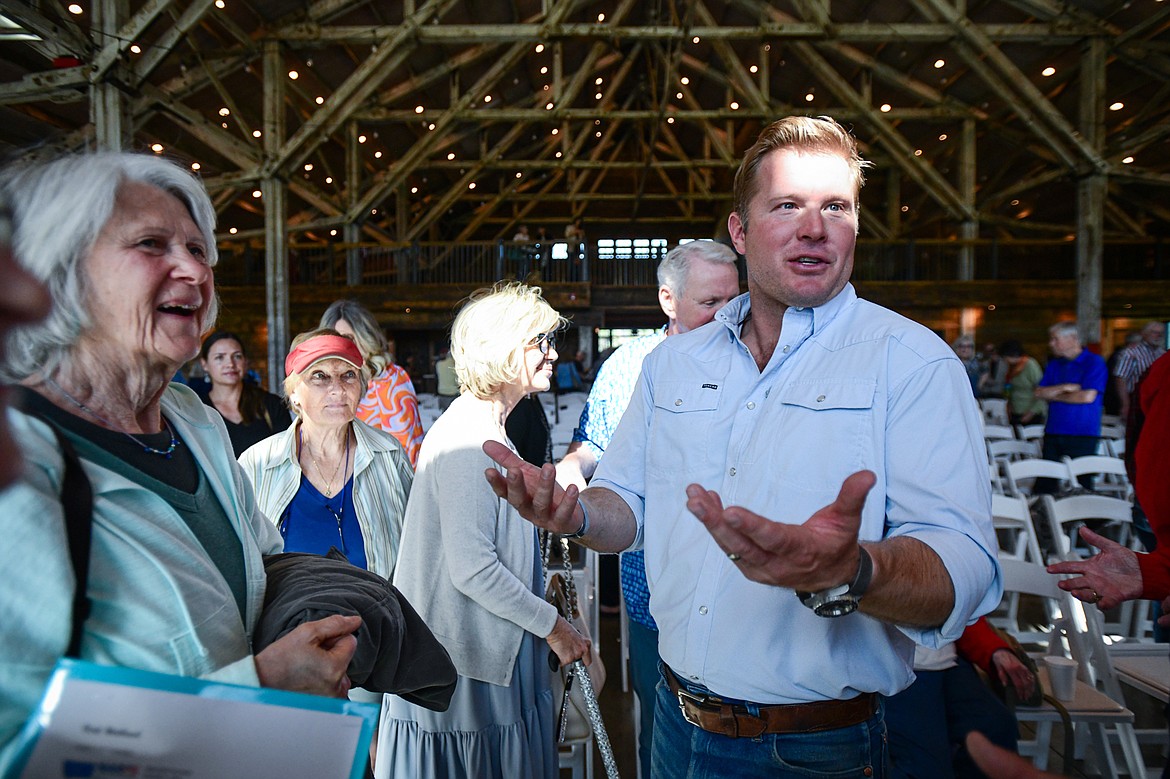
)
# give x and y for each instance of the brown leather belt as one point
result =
(714, 716)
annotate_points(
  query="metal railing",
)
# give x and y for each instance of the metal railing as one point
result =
(483, 262)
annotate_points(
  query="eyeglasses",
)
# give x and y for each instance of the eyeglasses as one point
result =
(545, 342)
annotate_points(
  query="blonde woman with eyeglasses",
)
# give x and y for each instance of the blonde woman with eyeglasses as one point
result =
(470, 564)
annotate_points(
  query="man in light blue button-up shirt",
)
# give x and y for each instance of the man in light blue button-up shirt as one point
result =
(806, 441)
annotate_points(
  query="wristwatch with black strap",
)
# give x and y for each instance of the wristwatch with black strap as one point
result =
(842, 599)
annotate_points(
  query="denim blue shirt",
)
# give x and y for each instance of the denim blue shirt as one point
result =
(850, 386)
(607, 401)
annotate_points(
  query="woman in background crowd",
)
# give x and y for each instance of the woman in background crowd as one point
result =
(471, 566)
(175, 579)
(390, 402)
(327, 481)
(250, 413)
(1023, 375)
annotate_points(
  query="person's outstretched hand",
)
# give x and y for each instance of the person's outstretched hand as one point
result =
(1107, 578)
(816, 555)
(532, 491)
(312, 658)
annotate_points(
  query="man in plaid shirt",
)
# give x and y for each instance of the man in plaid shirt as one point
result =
(1135, 360)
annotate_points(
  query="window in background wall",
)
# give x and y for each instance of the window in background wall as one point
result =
(631, 248)
(612, 338)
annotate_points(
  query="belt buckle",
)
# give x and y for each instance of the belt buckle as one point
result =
(698, 701)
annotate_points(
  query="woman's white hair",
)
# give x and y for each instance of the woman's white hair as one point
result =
(59, 208)
(491, 332)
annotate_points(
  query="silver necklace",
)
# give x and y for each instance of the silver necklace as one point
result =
(145, 447)
(317, 465)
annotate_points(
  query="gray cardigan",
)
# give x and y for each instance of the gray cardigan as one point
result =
(467, 560)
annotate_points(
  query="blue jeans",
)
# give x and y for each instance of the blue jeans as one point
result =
(929, 721)
(1057, 447)
(644, 676)
(683, 751)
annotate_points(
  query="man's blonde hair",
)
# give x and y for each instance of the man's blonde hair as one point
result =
(804, 134)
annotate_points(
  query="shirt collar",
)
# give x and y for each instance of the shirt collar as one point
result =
(736, 313)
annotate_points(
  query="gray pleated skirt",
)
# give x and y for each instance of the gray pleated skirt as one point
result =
(488, 732)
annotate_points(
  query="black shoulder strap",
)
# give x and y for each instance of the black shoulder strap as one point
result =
(77, 500)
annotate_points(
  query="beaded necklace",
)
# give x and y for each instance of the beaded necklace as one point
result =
(145, 447)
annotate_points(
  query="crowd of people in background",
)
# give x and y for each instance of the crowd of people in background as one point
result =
(195, 488)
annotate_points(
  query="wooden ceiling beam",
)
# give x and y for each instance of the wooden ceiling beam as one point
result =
(980, 49)
(865, 32)
(356, 89)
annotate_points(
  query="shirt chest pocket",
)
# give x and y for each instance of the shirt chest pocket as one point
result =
(683, 415)
(824, 431)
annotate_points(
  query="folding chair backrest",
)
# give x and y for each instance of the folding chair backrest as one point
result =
(1067, 515)
(994, 410)
(1030, 432)
(1012, 449)
(997, 432)
(1112, 478)
(1022, 578)
(997, 482)
(1021, 475)
(1013, 524)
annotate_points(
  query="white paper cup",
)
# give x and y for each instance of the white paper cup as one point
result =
(1062, 676)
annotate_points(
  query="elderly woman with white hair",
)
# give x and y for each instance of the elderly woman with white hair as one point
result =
(471, 567)
(175, 583)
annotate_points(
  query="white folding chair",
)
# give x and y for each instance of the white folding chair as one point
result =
(1017, 539)
(1110, 517)
(1111, 478)
(1098, 720)
(1066, 516)
(1013, 523)
(1115, 447)
(994, 410)
(1030, 433)
(997, 483)
(997, 432)
(1012, 449)
(1022, 474)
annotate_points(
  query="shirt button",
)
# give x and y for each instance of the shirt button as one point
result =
(703, 610)
(820, 398)
(751, 405)
(732, 471)
(786, 350)
(678, 402)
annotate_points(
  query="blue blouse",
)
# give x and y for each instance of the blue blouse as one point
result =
(313, 523)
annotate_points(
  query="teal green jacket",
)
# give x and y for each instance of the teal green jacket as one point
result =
(159, 602)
